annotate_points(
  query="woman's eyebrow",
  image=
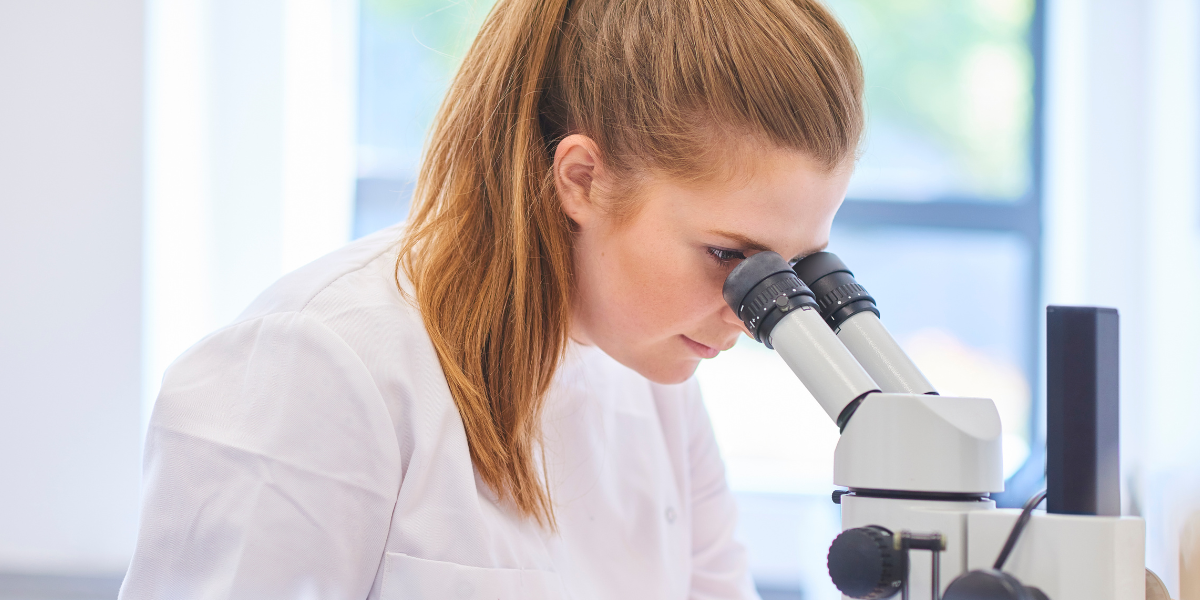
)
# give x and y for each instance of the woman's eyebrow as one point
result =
(745, 242)
(748, 243)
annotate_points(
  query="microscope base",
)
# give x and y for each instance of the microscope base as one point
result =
(1069, 557)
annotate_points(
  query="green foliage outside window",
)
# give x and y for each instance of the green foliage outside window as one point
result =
(956, 74)
(949, 87)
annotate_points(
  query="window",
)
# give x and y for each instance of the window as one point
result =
(408, 51)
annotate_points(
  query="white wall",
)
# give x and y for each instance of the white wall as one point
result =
(246, 110)
(1123, 229)
(70, 283)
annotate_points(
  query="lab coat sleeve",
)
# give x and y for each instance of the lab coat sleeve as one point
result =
(719, 565)
(271, 469)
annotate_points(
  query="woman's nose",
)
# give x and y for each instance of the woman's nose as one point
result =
(728, 316)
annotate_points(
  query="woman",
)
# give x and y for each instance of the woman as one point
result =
(495, 401)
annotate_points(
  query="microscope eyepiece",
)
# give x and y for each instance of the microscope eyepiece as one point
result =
(762, 290)
(780, 311)
(838, 295)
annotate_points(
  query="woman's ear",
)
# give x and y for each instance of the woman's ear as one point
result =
(576, 168)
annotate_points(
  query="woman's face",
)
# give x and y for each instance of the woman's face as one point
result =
(648, 286)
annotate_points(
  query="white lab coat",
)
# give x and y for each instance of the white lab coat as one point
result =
(312, 450)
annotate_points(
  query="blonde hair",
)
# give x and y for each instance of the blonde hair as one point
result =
(655, 83)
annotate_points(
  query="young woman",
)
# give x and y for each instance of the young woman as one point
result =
(495, 400)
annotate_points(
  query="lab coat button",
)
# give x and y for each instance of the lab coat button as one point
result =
(670, 515)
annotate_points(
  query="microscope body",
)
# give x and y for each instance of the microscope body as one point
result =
(920, 463)
(910, 462)
(918, 467)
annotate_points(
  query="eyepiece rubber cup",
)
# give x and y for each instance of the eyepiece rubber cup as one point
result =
(762, 290)
(750, 273)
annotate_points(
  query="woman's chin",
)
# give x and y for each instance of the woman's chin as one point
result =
(669, 372)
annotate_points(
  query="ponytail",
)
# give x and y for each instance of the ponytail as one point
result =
(488, 247)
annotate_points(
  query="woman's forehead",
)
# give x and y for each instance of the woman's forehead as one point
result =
(784, 189)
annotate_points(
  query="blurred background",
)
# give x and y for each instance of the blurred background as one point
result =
(162, 161)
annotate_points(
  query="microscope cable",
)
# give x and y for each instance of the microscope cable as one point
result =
(1018, 527)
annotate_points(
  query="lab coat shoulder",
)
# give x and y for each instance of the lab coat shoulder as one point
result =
(293, 377)
(270, 469)
(273, 460)
(283, 386)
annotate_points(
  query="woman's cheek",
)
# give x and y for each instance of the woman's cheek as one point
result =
(699, 289)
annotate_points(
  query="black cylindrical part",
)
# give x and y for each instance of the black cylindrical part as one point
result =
(838, 295)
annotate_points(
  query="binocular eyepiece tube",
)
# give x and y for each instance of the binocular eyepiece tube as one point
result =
(780, 311)
(825, 326)
(851, 312)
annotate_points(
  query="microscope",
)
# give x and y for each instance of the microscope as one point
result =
(917, 469)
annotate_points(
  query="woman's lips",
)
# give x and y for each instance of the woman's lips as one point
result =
(700, 349)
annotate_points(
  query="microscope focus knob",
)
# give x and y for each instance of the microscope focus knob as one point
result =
(865, 562)
(990, 584)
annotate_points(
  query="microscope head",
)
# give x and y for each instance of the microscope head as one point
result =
(908, 439)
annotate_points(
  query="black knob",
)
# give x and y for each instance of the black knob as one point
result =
(990, 584)
(865, 563)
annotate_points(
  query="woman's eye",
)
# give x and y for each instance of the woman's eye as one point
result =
(723, 256)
